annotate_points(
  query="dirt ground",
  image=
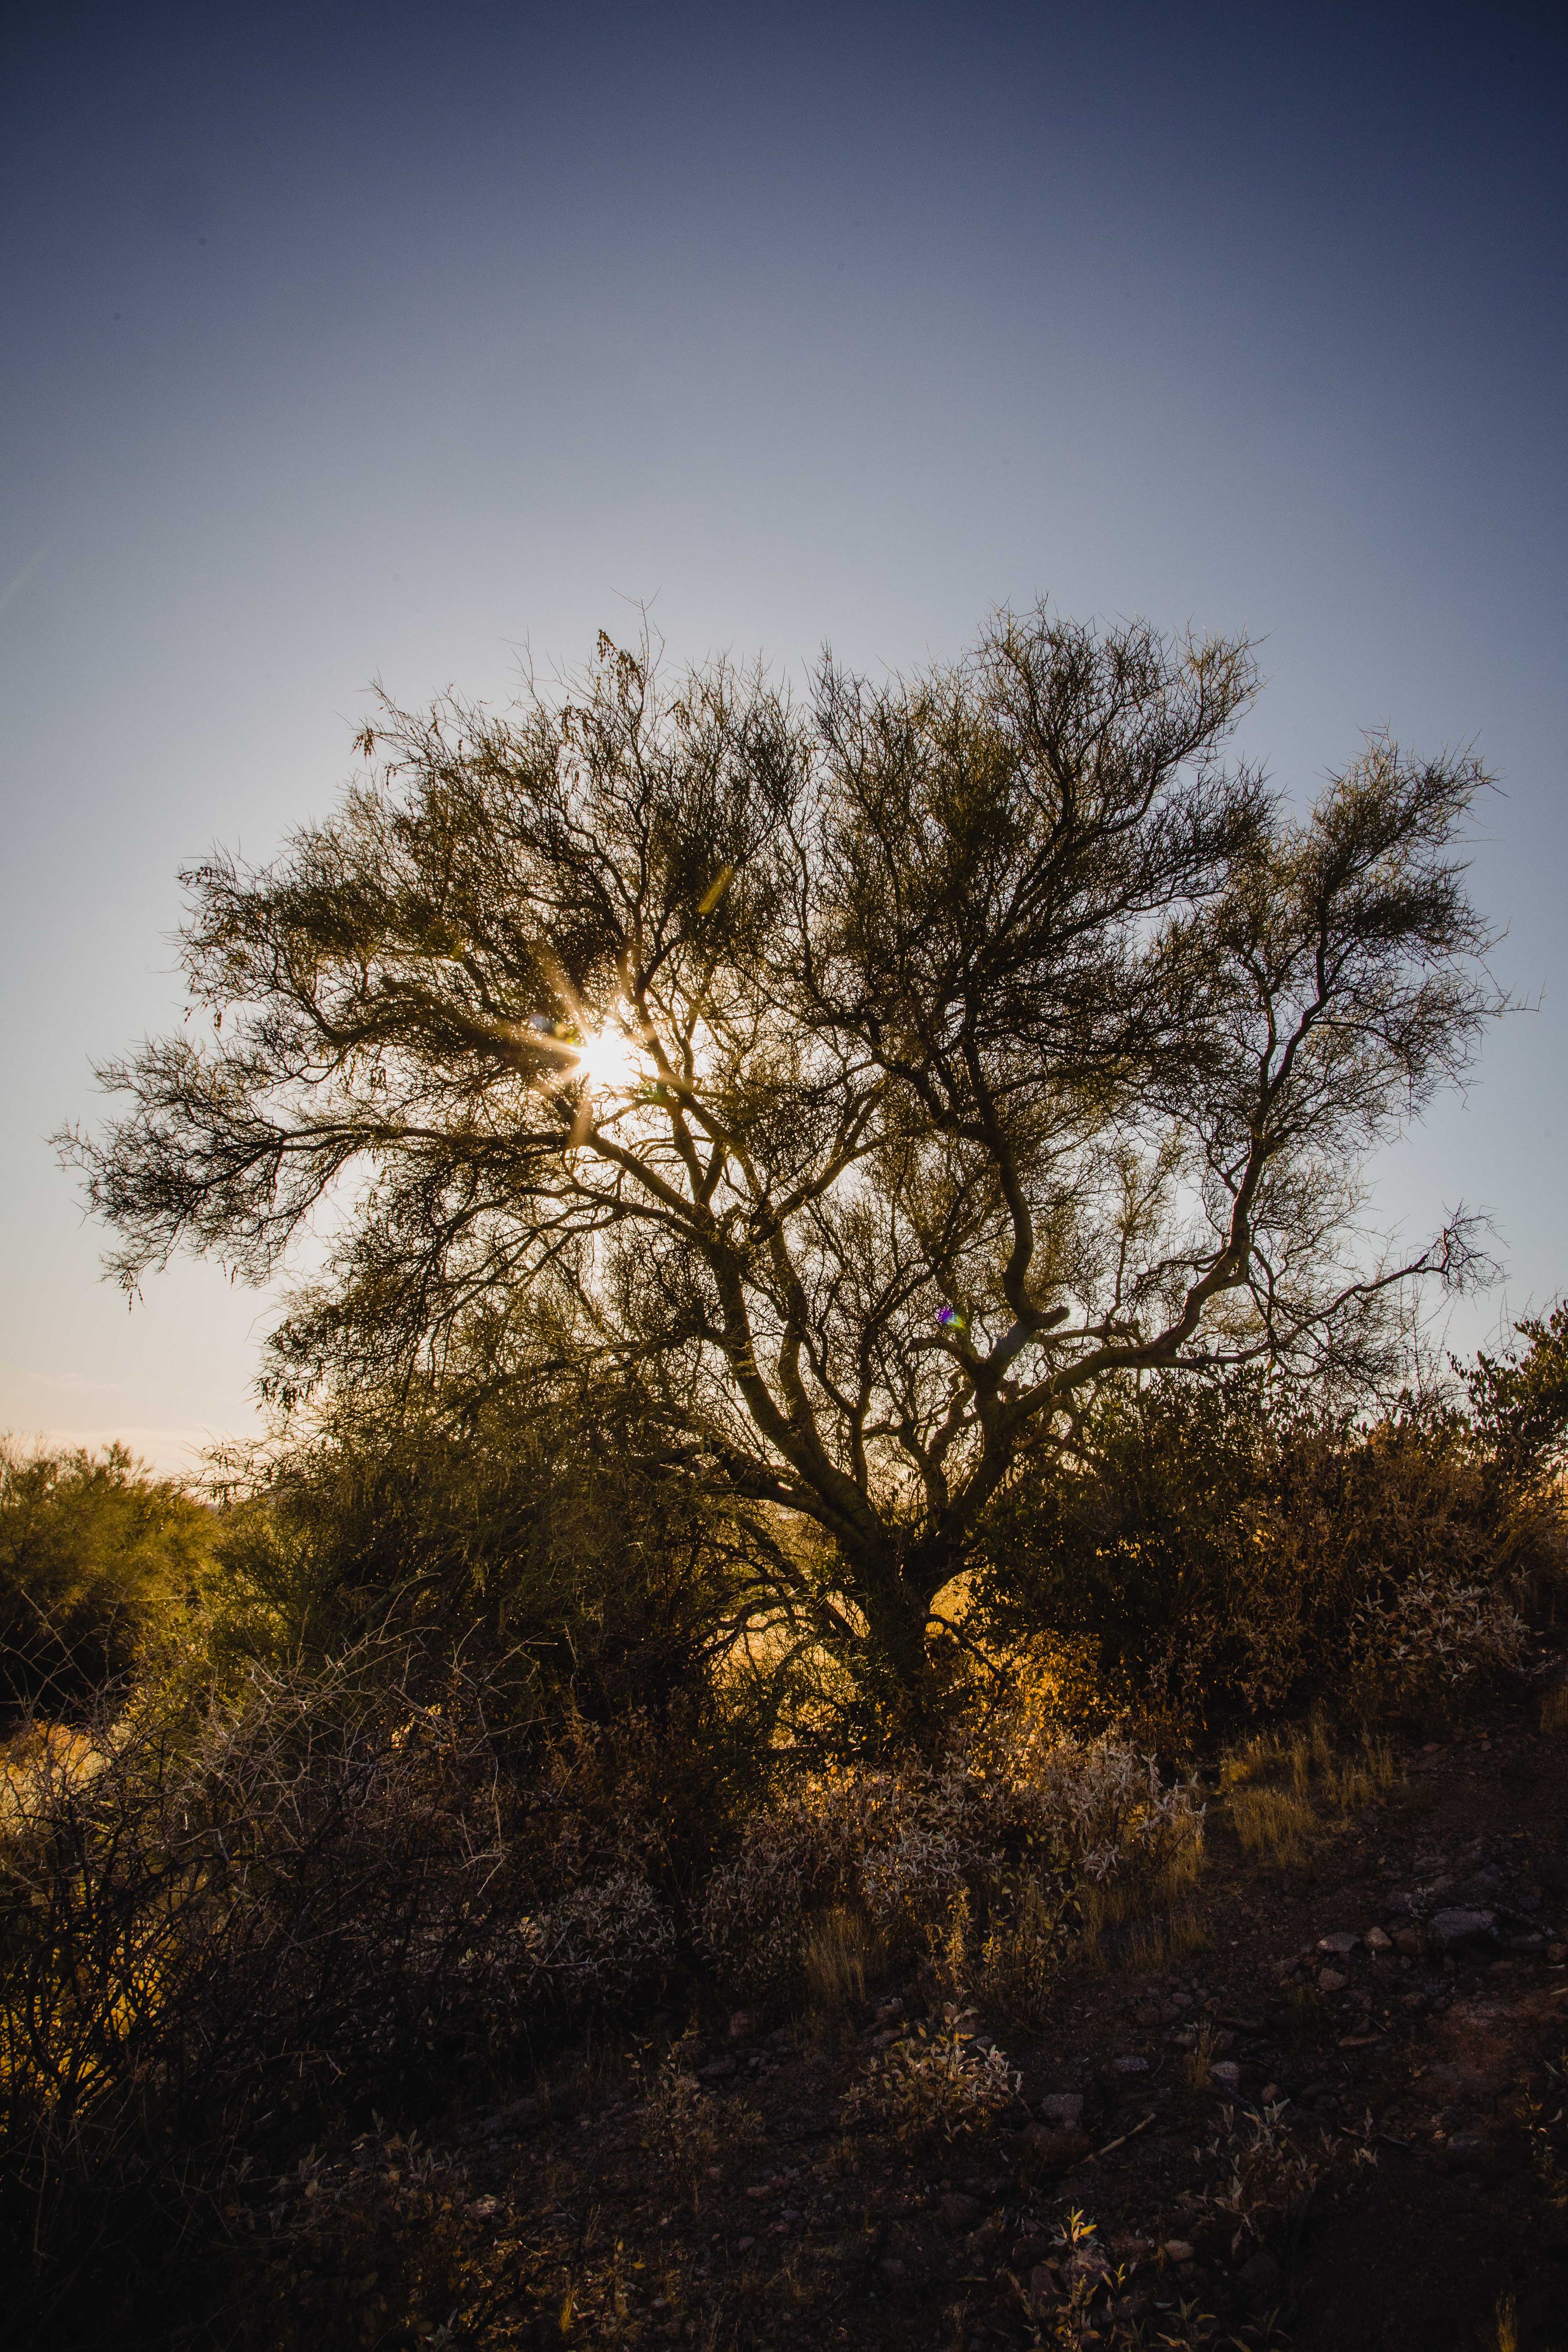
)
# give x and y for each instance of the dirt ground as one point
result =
(1374, 2160)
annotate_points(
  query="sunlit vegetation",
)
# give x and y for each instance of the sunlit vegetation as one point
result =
(850, 1383)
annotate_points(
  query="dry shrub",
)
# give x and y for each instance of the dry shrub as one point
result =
(385, 2245)
(1413, 1650)
(222, 1926)
(1238, 1547)
(601, 1942)
(903, 1851)
(937, 2082)
(685, 2124)
(1264, 2178)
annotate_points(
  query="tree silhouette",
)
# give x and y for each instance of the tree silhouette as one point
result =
(863, 1081)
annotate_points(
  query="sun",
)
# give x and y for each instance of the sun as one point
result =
(607, 1061)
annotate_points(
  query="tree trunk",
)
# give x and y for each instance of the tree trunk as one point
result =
(898, 1668)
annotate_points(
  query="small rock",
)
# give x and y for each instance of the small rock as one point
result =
(1463, 1930)
(1227, 2075)
(957, 2211)
(1259, 2279)
(1131, 2065)
(1055, 2149)
(892, 2268)
(1409, 1941)
(1557, 1954)
(1131, 2250)
(743, 2025)
(1464, 2152)
(1177, 2250)
(1344, 1944)
(1268, 2094)
(716, 2069)
(1064, 2108)
(1332, 1981)
(1378, 1940)
(744, 2245)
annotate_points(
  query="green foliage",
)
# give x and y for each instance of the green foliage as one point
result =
(94, 1557)
(1518, 1403)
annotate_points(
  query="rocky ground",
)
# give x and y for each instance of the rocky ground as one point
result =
(1331, 2123)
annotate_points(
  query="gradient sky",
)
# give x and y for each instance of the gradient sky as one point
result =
(341, 342)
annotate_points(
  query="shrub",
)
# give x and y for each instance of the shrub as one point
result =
(685, 2125)
(903, 1850)
(95, 1557)
(938, 2081)
(602, 1942)
(1230, 1547)
(225, 1925)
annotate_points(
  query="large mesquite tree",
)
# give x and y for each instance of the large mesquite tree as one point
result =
(862, 1081)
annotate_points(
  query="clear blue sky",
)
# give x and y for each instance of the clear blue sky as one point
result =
(349, 342)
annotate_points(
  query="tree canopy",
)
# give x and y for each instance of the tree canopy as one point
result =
(862, 1079)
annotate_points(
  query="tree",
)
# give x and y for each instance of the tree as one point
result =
(864, 1082)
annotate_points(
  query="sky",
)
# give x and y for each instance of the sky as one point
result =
(407, 341)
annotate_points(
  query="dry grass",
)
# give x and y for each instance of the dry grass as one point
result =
(1276, 1783)
(1274, 1824)
(839, 1953)
(1198, 2066)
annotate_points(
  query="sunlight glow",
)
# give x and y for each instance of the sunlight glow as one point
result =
(609, 1062)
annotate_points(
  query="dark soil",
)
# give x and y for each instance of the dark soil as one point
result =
(1419, 2085)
